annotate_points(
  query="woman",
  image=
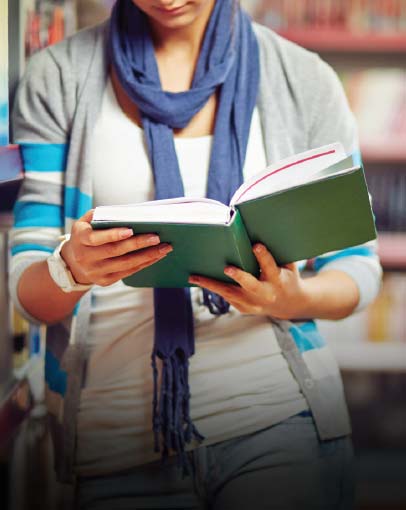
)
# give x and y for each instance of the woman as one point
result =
(267, 425)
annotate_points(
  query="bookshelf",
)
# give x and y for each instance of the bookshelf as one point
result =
(5, 344)
(23, 24)
(363, 46)
(379, 156)
(341, 41)
(344, 50)
(355, 351)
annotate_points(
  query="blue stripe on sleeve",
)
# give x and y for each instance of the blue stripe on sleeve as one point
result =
(28, 247)
(44, 157)
(307, 336)
(364, 251)
(302, 265)
(36, 214)
(357, 158)
(76, 309)
(76, 202)
(54, 376)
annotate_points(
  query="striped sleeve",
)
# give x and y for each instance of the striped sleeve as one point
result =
(38, 212)
(361, 263)
(333, 121)
(38, 127)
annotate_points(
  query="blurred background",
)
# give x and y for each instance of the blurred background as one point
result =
(365, 41)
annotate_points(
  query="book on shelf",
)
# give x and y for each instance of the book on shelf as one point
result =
(303, 206)
(384, 125)
(46, 22)
(11, 176)
(11, 166)
(4, 108)
(388, 191)
(386, 320)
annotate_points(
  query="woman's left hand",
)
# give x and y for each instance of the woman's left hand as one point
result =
(278, 292)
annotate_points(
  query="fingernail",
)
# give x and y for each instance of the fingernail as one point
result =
(229, 271)
(165, 248)
(153, 239)
(126, 232)
(259, 248)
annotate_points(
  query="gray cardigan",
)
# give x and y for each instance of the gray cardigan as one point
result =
(301, 105)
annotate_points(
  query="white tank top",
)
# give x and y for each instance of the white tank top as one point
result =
(239, 380)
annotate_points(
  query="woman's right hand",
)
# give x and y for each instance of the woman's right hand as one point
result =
(103, 257)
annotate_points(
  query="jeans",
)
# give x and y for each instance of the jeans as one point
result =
(284, 467)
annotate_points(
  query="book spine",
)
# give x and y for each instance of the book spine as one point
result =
(386, 321)
(4, 107)
(243, 245)
(11, 166)
(388, 191)
(46, 22)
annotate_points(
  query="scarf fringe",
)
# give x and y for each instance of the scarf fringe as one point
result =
(171, 421)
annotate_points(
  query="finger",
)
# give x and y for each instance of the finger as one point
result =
(226, 290)
(247, 281)
(91, 237)
(87, 217)
(269, 268)
(113, 277)
(134, 243)
(131, 261)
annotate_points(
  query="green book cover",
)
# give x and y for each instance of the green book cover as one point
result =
(197, 249)
(311, 219)
(330, 211)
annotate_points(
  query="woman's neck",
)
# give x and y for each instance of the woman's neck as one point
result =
(182, 45)
(177, 52)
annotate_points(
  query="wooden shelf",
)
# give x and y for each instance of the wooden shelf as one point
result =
(383, 356)
(11, 166)
(392, 249)
(348, 340)
(333, 40)
(384, 152)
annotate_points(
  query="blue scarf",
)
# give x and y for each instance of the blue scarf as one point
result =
(228, 62)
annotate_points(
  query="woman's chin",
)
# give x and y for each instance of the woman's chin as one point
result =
(174, 21)
(177, 15)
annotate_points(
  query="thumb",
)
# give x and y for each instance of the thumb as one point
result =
(88, 216)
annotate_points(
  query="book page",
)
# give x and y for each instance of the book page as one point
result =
(292, 171)
(287, 173)
(175, 210)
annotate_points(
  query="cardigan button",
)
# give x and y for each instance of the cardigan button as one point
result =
(309, 383)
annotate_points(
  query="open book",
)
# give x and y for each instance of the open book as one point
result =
(301, 207)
